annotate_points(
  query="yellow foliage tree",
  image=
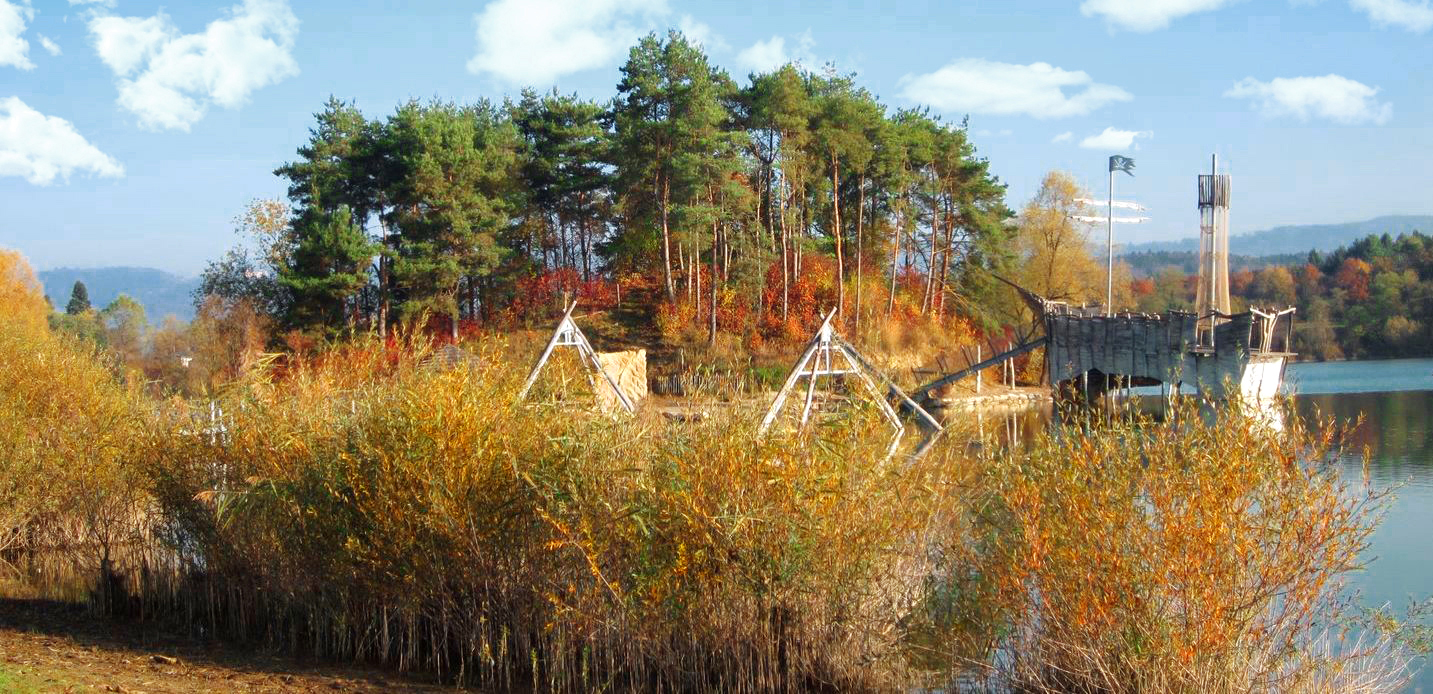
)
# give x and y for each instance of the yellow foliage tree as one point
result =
(22, 301)
(66, 428)
(1054, 252)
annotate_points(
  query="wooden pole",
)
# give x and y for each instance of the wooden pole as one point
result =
(1110, 247)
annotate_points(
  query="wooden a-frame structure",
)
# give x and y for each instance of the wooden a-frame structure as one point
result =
(567, 334)
(820, 359)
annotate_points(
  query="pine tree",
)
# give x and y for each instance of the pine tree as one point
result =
(342, 165)
(454, 173)
(781, 104)
(667, 100)
(79, 300)
(327, 268)
(564, 177)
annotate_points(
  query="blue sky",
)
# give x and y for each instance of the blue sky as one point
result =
(132, 131)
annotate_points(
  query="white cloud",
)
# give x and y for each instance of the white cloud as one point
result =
(768, 55)
(41, 148)
(14, 51)
(106, 3)
(123, 43)
(1114, 138)
(980, 86)
(169, 79)
(1413, 15)
(50, 46)
(537, 41)
(1146, 15)
(1330, 97)
(701, 33)
(1062, 137)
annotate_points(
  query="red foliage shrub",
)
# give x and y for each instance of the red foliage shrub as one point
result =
(541, 293)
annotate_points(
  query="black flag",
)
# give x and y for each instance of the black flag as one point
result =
(1119, 163)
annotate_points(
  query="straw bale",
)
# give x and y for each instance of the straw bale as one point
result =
(629, 370)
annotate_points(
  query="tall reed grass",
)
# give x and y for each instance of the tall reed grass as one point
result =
(1211, 554)
(360, 509)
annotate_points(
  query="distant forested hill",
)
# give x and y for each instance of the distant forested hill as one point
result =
(1300, 239)
(161, 293)
(1148, 263)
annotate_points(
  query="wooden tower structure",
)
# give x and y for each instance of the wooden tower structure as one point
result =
(1211, 300)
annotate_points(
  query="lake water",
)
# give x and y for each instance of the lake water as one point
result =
(1396, 400)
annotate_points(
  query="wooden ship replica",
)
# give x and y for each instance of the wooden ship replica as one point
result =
(1212, 349)
(1090, 350)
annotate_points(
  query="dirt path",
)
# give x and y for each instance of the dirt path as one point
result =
(54, 647)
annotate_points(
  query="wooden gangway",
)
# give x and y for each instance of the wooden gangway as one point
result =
(923, 393)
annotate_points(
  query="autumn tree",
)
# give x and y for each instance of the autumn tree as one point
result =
(126, 329)
(1054, 256)
(249, 271)
(1275, 285)
(22, 299)
(1353, 277)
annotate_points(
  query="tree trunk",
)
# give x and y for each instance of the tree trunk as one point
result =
(895, 262)
(785, 252)
(584, 237)
(663, 194)
(383, 281)
(836, 231)
(383, 292)
(860, 216)
(930, 264)
(945, 259)
(712, 336)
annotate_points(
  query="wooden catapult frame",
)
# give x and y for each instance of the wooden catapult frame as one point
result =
(820, 359)
(567, 334)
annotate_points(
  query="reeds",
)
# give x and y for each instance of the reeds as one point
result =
(418, 517)
(1207, 555)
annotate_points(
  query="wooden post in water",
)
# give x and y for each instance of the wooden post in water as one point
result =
(979, 377)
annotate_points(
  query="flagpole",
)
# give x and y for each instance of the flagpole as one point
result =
(1110, 246)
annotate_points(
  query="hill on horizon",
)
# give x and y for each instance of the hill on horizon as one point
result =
(1298, 238)
(161, 293)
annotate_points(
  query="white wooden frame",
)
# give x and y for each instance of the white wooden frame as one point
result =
(818, 360)
(567, 334)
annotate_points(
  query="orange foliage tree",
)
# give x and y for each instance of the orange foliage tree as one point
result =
(1353, 277)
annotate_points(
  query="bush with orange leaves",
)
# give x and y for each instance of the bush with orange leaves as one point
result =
(1204, 556)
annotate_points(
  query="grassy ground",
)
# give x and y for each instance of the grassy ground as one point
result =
(48, 646)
